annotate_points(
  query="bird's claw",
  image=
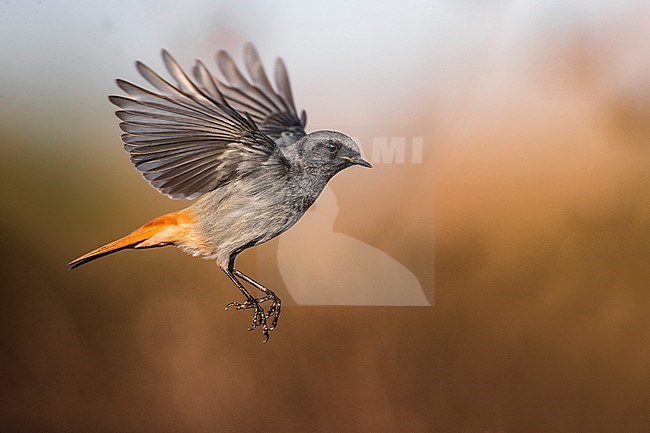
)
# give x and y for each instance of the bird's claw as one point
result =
(260, 316)
(274, 309)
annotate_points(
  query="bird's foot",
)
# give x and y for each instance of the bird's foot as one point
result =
(259, 316)
(274, 310)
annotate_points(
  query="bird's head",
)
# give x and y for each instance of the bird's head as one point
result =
(328, 152)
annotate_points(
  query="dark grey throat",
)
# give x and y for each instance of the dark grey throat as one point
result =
(304, 187)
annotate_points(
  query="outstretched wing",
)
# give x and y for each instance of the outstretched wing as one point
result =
(272, 110)
(186, 139)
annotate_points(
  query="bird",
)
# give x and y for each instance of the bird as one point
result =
(237, 148)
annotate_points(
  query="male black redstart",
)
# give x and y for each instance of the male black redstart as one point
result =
(239, 147)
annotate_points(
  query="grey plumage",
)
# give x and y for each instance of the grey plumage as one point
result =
(236, 145)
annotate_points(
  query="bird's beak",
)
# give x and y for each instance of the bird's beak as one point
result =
(362, 162)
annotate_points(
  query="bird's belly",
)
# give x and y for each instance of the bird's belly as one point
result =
(240, 222)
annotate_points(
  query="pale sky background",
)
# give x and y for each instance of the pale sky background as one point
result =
(365, 56)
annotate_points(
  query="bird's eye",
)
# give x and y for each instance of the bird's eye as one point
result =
(332, 148)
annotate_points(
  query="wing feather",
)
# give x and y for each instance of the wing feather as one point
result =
(185, 138)
(272, 110)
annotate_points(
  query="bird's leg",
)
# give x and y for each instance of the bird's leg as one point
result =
(259, 316)
(276, 303)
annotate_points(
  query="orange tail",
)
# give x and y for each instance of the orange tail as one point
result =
(165, 230)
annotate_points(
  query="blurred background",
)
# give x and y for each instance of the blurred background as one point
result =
(533, 191)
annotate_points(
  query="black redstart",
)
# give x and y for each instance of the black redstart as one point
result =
(237, 146)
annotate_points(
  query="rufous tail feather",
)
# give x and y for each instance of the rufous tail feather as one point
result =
(165, 230)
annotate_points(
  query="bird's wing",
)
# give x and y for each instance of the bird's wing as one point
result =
(186, 139)
(273, 110)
